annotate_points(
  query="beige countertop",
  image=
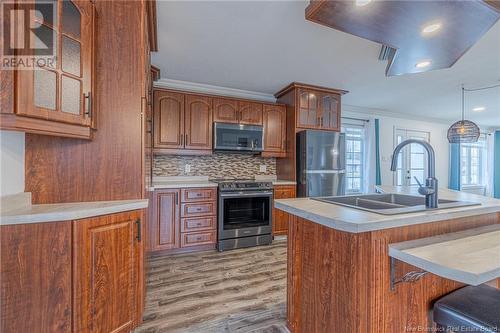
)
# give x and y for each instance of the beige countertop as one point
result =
(17, 209)
(471, 256)
(181, 182)
(356, 221)
(202, 181)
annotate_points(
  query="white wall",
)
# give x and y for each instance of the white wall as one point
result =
(12, 162)
(388, 122)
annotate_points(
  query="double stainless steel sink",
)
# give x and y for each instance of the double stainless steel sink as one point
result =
(391, 203)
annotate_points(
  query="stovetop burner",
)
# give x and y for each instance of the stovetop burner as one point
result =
(242, 184)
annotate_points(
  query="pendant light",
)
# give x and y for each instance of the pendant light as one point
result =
(463, 131)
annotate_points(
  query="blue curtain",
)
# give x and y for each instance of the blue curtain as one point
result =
(496, 165)
(454, 172)
(378, 177)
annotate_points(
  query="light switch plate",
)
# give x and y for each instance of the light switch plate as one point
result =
(187, 168)
(263, 168)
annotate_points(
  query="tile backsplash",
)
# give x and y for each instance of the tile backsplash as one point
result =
(218, 165)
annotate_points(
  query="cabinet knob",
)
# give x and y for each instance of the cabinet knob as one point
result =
(88, 110)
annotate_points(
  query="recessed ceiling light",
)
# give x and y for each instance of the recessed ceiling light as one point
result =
(430, 28)
(479, 109)
(423, 64)
(360, 3)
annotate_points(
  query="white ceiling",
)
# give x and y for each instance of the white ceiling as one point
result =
(262, 46)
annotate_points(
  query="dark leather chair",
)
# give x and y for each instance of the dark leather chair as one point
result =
(470, 309)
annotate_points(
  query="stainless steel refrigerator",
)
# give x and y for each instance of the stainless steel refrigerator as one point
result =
(320, 163)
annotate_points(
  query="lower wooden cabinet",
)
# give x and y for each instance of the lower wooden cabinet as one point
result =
(72, 276)
(280, 218)
(183, 219)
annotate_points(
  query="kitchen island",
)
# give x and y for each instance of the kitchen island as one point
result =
(342, 278)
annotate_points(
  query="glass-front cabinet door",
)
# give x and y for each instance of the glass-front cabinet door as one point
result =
(61, 90)
(330, 112)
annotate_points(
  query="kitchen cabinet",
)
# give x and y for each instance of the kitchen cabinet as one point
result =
(250, 113)
(318, 110)
(280, 218)
(182, 123)
(274, 130)
(198, 123)
(227, 110)
(72, 276)
(57, 98)
(165, 220)
(105, 259)
(183, 220)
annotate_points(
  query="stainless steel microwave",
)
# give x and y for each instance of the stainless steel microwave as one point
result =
(236, 137)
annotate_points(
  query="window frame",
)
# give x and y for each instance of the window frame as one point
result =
(362, 152)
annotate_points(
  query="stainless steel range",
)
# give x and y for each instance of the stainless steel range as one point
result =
(244, 213)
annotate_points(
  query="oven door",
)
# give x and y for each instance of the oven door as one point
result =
(243, 214)
(234, 137)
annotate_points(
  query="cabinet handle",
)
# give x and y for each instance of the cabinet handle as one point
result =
(186, 139)
(139, 230)
(182, 139)
(88, 97)
(150, 129)
(176, 198)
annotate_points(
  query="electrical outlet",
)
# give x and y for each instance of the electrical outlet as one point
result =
(263, 168)
(187, 168)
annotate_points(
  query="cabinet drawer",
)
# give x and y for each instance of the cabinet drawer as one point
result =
(198, 223)
(198, 238)
(198, 194)
(198, 209)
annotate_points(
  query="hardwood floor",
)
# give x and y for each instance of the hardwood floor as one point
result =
(235, 291)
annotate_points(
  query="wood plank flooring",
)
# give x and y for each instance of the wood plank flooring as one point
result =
(235, 291)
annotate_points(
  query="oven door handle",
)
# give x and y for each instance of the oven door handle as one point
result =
(246, 194)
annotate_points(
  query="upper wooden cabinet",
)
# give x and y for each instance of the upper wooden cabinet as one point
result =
(198, 122)
(274, 130)
(250, 113)
(315, 107)
(227, 110)
(57, 98)
(318, 110)
(182, 123)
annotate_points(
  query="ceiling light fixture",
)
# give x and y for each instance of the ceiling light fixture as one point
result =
(430, 28)
(361, 3)
(479, 109)
(423, 64)
(463, 131)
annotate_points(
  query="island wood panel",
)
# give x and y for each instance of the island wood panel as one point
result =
(226, 110)
(198, 122)
(105, 251)
(110, 167)
(340, 282)
(168, 120)
(36, 278)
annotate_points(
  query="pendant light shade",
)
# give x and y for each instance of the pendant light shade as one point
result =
(463, 131)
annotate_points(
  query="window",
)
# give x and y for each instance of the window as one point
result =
(472, 161)
(412, 160)
(354, 136)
